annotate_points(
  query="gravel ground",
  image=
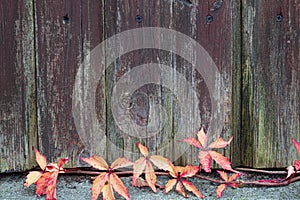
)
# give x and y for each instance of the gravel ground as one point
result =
(78, 188)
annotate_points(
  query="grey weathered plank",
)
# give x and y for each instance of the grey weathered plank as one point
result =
(271, 99)
(218, 38)
(18, 127)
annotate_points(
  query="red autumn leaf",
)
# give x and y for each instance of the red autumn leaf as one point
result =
(297, 165)
(229, 182)
(206, 154)
(297, 145)
(179, 174)
(108, 181)
(144, 164)
(297, 162)
(45, 181)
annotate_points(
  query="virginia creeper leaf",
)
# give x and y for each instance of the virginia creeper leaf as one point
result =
(118, 186)
(206, 154)
(190, 187)
(45, 181)
(96, 161)
(143, 149)
(40, 159)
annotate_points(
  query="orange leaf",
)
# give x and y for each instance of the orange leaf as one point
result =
(98, 184)
(223, 175)
(118, 186)
(138, 168)
(297, 145)
(46, 184)
(107, 192)
(170, 184)
(202, 137)
(179, 188)
(32, 177)
(161, 162)
(233, 177)
(220, 143)
(221, 160)
(150, 176)
(97, 162)
(193, 141)
(220, 190)
(190, 187)
(40, 159)
(62, 161)
(205, 160)
(142, 149)
(189, 171)
(120, 163)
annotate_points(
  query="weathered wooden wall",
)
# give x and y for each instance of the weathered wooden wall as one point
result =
(258, 59)
(18, 124)
(271, 83)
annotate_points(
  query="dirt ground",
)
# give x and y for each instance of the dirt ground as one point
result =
(77, 187)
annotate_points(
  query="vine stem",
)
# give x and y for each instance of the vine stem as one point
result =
(218, 181)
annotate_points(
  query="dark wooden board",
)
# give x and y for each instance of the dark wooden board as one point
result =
(18, 127)
(61, 48)
(271, 72)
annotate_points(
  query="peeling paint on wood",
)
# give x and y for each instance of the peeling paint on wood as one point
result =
(271, 114)
(18, 127)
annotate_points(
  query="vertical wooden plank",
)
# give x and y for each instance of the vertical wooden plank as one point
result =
(271, 112)
(219, 39)
(18, 132)
(66, 32)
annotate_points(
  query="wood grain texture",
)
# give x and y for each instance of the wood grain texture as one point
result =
(18, 127)
(61, 48)
(217, 37)
(270, 102)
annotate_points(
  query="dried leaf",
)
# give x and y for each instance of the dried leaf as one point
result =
(138, 168)
(118, 186)
(150, 176)
(202, 137)
(97, 162)
(221, 160)
(32, 177)
(143, 149)
(120, 163)
(297, 165)
(140, 182)
(170, 184)
(220, 143)
(62, 161)
(45, 181)
(220, 190)
(297, 145)
(193, 142)
(223, 175)
(189, 171)
(40, 159)
(161, 162)
(98, 184)
(190, 187)
(179, 188)
(205, 160)
(107, 192)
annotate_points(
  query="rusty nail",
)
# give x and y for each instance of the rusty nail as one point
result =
(66, 19)
(209, 19)
(279, 18)
(138, 18)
